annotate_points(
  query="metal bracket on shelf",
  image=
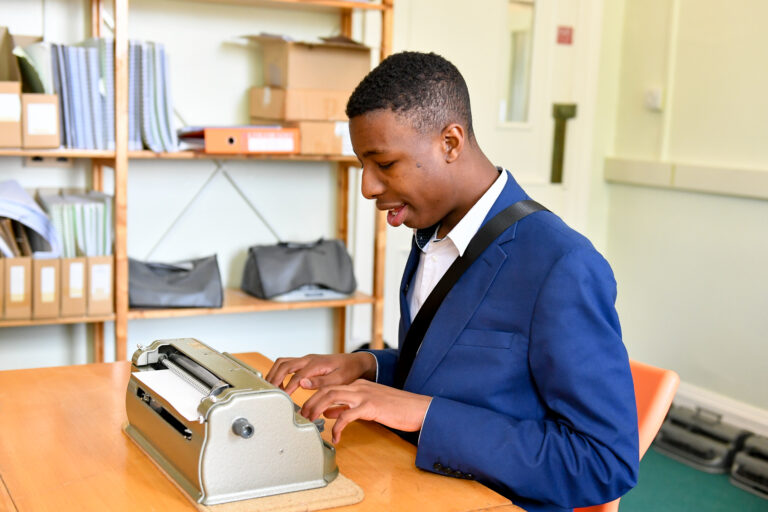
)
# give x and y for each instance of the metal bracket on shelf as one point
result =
(220, 169)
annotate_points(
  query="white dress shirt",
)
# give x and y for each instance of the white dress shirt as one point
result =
(437, 255)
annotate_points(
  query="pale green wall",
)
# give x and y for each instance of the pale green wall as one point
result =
(693, 287)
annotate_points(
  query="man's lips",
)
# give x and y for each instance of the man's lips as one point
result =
(395, 213)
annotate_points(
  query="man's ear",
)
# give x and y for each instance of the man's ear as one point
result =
(453, 139)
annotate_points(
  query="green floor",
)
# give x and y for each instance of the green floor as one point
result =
(666, 485)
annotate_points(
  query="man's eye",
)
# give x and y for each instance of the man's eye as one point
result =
(385, 165)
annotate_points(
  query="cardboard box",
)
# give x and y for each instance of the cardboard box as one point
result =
(298, 104)
(10, 93)
(40, 121)
(18, 288)
(45, 283)
(324, 138)
(74, 287)
(339, 64)
(251, 139)
(100, 270)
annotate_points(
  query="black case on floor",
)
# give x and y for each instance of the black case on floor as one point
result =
(750, 466)
(700, 439)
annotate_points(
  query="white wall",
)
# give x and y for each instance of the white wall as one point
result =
(691, 267)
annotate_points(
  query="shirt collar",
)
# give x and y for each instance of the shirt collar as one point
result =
(462, 233)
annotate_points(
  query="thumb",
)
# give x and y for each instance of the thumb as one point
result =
(307, 383)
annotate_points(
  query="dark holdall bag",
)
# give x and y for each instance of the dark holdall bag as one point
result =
(185, 284)
(272, 270)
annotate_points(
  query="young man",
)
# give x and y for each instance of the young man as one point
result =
(522, 381)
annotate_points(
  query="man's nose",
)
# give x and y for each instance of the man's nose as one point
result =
(371, 185)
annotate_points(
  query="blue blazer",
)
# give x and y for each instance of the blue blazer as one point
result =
(533, 394)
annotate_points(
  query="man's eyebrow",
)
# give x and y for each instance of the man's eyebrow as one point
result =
(373, 152)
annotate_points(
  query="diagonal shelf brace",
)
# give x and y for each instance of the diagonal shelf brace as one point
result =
(220, 169)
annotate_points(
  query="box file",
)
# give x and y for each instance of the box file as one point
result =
(10, 93)
(251, 139)
(40, 121)
(73, 286)
(18, 288)
(45, 285)
(100, 272)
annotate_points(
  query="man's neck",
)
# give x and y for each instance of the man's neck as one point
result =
(476, 179)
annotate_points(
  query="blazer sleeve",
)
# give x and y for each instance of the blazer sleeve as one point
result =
(386, 360)
(584, 451)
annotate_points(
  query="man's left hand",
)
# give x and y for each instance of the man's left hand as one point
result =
(366, 400)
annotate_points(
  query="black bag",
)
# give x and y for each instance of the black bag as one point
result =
(272, 270)
(185, 284)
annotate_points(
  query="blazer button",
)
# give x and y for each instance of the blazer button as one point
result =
(470, 476)
(437, 466)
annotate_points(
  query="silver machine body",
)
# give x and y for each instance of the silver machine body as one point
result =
(247, 439)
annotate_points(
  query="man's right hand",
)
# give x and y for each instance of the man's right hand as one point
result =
(315, 370)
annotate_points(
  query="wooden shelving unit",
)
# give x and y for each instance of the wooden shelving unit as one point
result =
(235, 300)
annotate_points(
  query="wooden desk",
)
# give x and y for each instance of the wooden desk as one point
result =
(62, 448)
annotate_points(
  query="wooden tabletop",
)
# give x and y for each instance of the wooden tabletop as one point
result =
(62, 448)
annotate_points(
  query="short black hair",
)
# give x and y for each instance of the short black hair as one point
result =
(423, 87)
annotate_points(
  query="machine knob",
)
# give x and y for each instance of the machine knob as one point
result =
(242, 427)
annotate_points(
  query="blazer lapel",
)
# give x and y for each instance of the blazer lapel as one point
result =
(454, 313)
(405, 283)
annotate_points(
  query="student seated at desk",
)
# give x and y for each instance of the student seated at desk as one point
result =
(522, 381)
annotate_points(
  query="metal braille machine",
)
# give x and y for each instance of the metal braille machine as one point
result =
(218, 429)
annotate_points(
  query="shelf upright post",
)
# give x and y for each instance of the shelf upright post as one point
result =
(342, 233)
(342, 214)
(380, 229)
(97, 183)
(121, 178)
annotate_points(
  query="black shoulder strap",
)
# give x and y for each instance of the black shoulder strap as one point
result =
(482, 239)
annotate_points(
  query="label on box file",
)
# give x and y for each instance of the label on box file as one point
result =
(271, 142)
(17, 284)
(41, 119)
(76, 275)
(48, 284)
(10, 107)
(100, 281)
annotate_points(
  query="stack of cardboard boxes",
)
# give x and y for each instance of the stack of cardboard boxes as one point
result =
(307, 86)
(28, 120)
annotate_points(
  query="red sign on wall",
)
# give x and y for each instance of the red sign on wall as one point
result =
(564, 35)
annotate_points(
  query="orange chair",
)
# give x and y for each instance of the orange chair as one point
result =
(654, 390)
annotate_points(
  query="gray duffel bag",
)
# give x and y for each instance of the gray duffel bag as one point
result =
(184, 284)
(272, 270)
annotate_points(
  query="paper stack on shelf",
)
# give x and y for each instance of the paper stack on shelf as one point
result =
(156, 107)
(18, 205)
(83, 220)
(35, 66)
(14, 240)
(83, 77)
